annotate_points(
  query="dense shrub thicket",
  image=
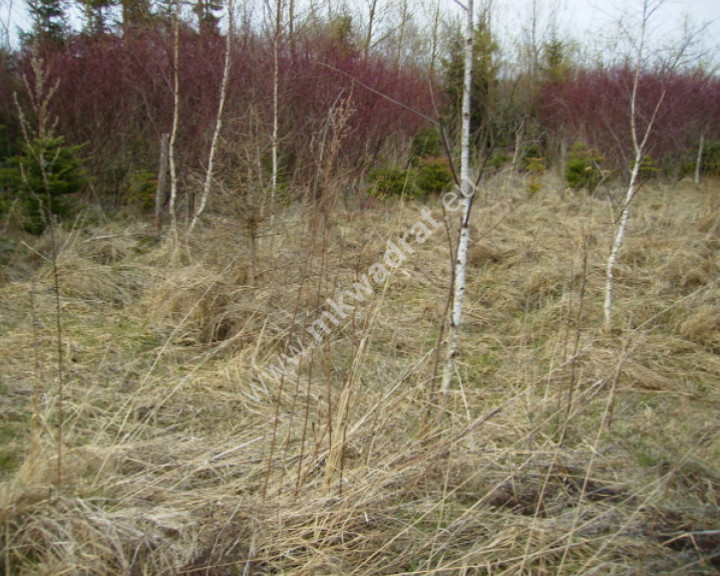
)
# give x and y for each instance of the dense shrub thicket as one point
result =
(114, 96)
(342, 107)
(593, 106)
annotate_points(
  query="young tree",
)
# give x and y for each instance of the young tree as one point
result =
(8, 115)
(466, 190)
(44, 173)
(641, 124)
(555, 64)
(95, 13)
(49, 21)
(483, 79)
(218, 122)
(372, 10)
(277, 37)
(402, 32)
(135, 14)
(175, 120)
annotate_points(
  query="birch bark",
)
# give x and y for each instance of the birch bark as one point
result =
(218, 122)
(467, 191)
(160, 192)
(276, 111)
(698, 162)
(639, 143)
(175, 121)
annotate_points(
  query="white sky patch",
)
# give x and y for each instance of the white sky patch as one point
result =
(591, 23)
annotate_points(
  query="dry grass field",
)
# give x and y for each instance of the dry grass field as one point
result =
(562, 449)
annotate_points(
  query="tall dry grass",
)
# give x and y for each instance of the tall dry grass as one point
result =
(563, 450)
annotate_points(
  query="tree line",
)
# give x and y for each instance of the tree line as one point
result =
(382, 94)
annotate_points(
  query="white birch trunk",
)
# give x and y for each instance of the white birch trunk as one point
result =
(639, 148)
(466, 189)
(291, 28)
(176, 114)
(162, 179)
(698, 162)
(617, 244)
(276, 111)
(218, 123)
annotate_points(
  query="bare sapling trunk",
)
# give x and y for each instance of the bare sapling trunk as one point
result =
(41, 94)
(519, 134)
(698, 162)
(252, 226)
(162, 179)
(617, 244)
(401, 34)
(371, 21)
(639, 143)
(466, 190)
(276, 112)
(5, 27)
(291, 19)
(218, 123)
(434, 41)
(175, 121)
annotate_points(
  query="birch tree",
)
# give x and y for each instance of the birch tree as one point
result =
(175, 120)
(698, 161)
(641, 127)
(218, 122)
(277, 33)
(467, 192)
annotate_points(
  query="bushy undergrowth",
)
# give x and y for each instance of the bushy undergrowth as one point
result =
(711, 158)
(583, 168)
(429, 171)
(107, 95)
(430, 175)
(561, 449)
(42, 178)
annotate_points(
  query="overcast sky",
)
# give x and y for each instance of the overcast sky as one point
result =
(671, 17)
(587, 21)
(595, 23)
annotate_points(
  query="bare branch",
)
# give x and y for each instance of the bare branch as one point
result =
(381, 94)
(463, 6)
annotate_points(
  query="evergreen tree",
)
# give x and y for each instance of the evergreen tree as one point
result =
(49, 22)
(95, 12)
(135, 13)
(555, 63)
(42, 176)
(484, 79)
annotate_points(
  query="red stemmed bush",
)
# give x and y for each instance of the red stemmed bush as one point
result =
(115, 97)
(592, 106)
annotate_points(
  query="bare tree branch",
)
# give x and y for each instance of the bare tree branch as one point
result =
(381, 94)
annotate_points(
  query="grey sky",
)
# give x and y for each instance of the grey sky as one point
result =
(587, 21)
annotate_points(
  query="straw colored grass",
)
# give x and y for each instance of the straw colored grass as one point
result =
(560, 450)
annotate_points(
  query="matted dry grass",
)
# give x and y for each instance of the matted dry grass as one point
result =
(561, 450)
